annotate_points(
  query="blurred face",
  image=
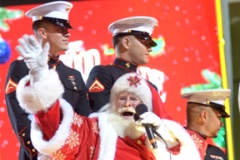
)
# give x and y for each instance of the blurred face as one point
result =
(58, 38)
(126, 104)
(213, 122)
(139, 50)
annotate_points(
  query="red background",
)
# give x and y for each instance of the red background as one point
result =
(188, 27)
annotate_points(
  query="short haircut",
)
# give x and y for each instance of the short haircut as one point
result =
(38, 24)
(117, 38)
(193, 109)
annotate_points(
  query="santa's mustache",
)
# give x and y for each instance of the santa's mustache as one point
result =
(126, 109)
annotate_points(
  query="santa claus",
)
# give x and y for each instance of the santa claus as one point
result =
(110, 134)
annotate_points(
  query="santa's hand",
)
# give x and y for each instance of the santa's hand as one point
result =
(150, 118)
(34, 56)
(32, 52)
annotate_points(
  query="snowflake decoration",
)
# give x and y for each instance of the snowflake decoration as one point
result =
(197, 141)
(73, 139)
(77, 120)
(95, 127)
(92, 150)
(134, 80)
(58, 155)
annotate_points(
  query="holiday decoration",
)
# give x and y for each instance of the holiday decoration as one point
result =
(6, 15)
(160, 48)
(5, 51)
(213, 79)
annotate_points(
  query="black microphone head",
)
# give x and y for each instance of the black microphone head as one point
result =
(140, 109)
(136, 117)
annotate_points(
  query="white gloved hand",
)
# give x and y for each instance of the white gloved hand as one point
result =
(34, 56)
(150, 118)
(159, 126)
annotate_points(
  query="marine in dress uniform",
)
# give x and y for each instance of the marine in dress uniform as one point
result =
(213, 99)
(102, 78)
(74, 86)
(102, 136)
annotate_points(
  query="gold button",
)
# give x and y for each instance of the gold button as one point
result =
(28, 142)
(23, 134)
(139, 141)
(33, 150)
(128, 65)
(207, 102)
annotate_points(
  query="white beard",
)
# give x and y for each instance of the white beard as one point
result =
(124, 127)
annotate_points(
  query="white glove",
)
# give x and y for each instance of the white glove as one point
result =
(150, 118)
(34, 56)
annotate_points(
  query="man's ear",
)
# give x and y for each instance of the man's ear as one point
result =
(42, 33)
(203, 115)
(126, 42)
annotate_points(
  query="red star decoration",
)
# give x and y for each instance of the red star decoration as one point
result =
(134, 80)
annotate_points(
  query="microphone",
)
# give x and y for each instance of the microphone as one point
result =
(140, 109)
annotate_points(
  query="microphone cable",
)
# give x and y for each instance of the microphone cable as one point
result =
(155, 132)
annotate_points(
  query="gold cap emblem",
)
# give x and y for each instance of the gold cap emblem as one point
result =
(68, 8)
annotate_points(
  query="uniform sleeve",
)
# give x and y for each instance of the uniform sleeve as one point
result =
(83, 106)
(99, 85)
(18, 118)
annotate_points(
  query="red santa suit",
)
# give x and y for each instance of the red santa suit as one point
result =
(63, 135)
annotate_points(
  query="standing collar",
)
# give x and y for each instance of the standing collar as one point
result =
(200, 134)
(121, 63)
(53, 61)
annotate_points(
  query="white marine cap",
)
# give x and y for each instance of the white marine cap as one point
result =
(56, 12)
(214, 98)
(141, 26)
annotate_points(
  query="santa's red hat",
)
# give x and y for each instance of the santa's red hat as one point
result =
(134, 83)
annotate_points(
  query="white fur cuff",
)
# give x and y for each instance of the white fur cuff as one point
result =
(58, 140)
(40, 95)
(188, 148)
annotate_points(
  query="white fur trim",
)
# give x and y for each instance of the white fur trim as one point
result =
(108, 138)
(142, 90)
(104, 108)
(188, 150)
(58, 140)
(108, 141)
(40, 95)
